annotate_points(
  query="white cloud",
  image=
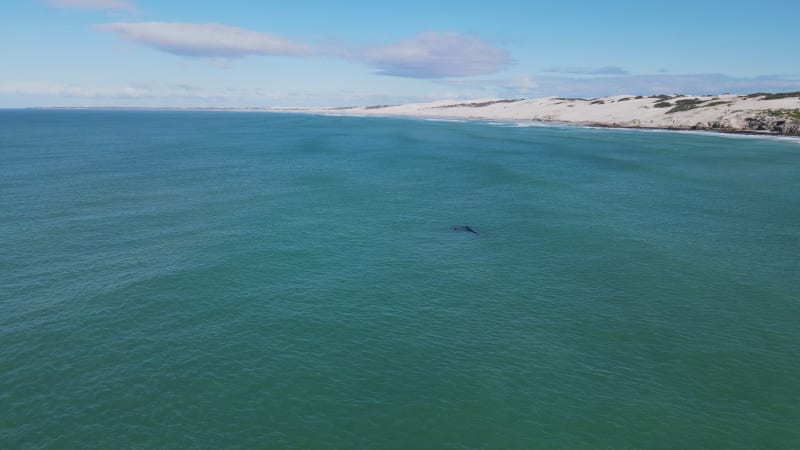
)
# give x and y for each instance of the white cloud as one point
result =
(102, 5)
(697, 84)
(205, 40)
(178, 94)
(134, 90)
(436, 55)
(427, 55)
(690, 84)
(149, 93)
(524, 84)
(605, 70)
(29, 88)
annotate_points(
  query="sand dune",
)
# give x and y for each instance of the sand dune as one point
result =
(754, 113)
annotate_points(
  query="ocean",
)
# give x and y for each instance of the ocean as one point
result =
(179, 279)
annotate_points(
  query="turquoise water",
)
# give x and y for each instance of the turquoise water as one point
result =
(244, 280)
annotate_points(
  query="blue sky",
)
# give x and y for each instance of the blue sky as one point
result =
(305, 53)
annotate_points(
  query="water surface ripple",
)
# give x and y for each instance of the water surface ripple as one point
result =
(240, 280)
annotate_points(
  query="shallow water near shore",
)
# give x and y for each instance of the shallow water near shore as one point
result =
(244, 280)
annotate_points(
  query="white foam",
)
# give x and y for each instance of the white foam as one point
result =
(437, 119)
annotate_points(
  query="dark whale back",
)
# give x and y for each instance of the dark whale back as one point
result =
(465, 228)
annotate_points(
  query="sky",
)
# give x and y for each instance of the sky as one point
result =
(243, 53)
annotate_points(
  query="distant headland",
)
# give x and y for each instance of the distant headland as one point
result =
(759, 113)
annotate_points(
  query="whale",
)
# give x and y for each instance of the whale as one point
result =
(465, 228)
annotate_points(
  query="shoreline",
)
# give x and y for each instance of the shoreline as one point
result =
(754, 115)
(550, 123)
(759, 114)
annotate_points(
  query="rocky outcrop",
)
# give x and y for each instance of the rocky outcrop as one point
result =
(714, 125)
(778, 124)
(761, 122)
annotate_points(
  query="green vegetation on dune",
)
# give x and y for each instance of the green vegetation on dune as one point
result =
(773, 96)
(481, 104)
(717, 103)
(685, 105)
(572, 99)
(785, 113)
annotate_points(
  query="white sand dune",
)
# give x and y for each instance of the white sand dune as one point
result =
(754, 113)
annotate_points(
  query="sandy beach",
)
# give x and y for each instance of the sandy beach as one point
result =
(775, 114)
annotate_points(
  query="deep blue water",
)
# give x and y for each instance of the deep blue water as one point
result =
(246, 280)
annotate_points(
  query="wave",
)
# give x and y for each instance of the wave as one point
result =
(438, 119)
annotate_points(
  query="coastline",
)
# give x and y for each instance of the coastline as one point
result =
(546, 123)
(754, 114)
